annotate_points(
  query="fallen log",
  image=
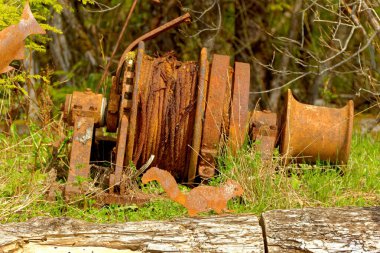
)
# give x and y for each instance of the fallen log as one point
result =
(216, 234)
(350, 229)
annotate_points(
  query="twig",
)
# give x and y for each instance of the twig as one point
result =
(282, 86)
(116, 46)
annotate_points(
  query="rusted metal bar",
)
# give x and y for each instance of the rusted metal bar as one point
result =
(120, 151)
(116, 46)
(199, 114)
(134, 107)
(212, 128)
(173, 23)
(314, 133)
(239, 117)
(81, 149)
(113, 107)
(264, 132)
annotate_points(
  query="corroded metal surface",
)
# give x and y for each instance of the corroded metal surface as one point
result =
(213, 122)
(264, 132)
(81, 148)
(239, 117)
(12, 45)
(83, 110)
(134, 105)
(199, 114)
(165, 113)
(85, 104)
(115, 179)
(113, 107)
(314, 133)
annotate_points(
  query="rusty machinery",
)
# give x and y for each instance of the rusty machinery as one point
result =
(181, 112)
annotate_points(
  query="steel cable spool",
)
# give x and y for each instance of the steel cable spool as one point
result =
(165, 113)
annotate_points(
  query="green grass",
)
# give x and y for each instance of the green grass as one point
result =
(25, 160)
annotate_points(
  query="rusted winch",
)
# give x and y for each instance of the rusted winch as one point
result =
(179, 112)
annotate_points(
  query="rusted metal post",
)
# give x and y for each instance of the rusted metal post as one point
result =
(83, 110)
(239, 117)
(81, 149)
(213, 122)
(134, 107)
(264, 132)
(199, 114)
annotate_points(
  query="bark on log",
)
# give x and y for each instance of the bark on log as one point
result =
(322, 230)
(216, 234)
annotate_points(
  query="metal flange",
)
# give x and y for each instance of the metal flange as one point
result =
(312, 133)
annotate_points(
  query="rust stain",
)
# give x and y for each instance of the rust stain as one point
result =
(200, 199)
(314, 133)
(12, 45)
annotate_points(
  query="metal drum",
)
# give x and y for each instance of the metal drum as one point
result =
(312, 133)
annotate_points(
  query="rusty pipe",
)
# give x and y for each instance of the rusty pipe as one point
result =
(173, 23)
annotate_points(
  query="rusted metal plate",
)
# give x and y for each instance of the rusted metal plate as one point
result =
(81, 148)
(212, 128)
(12, 45)
(314, 133)
(239, 117)
(199, 114)
(264, 132)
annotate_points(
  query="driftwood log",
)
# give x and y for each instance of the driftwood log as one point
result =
(322, 230)
(303, 230)
(216, 234)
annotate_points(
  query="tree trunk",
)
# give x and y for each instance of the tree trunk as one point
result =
(216, 234)
(81, 34)
(32, 67)
(280, 79)
(352, 229)
(251, 42)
